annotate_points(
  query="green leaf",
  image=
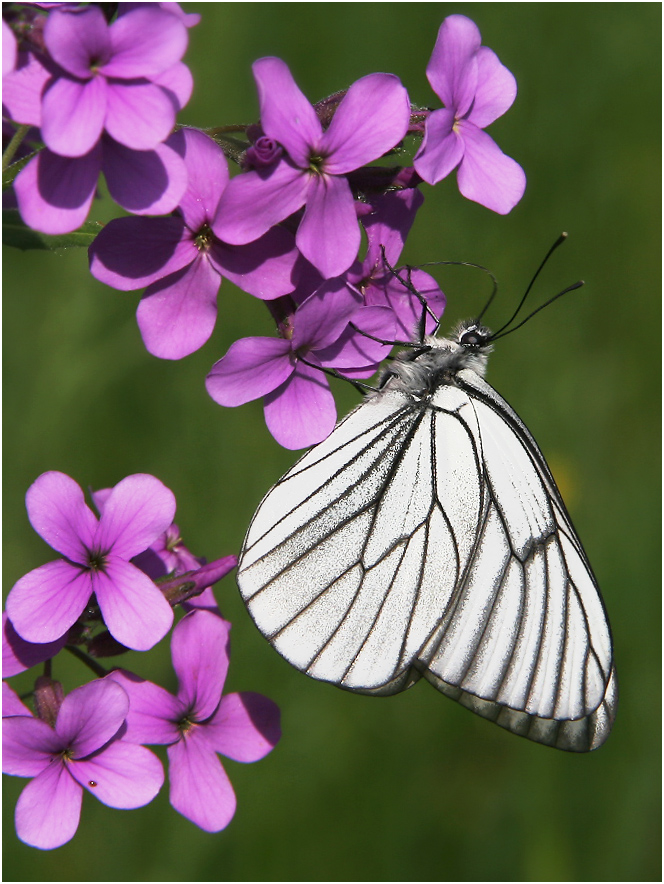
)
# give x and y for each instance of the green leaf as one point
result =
(10, 173)
(17, 234)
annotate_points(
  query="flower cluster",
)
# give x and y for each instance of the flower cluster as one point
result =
(287, 229)
(100, 599)
(312, 224)
(104, 98)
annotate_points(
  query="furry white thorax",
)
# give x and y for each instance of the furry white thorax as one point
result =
(421, 372)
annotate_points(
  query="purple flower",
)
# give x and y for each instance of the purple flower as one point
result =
(371, 119)
(299, 406)
(198, 722)
(111, 118)
(476, 89)
(262, 153)
(106, 82)
(83, 750)
(182, 262)
(387, 228)
(44, 603)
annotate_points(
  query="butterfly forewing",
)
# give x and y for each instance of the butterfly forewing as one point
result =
(426, 536)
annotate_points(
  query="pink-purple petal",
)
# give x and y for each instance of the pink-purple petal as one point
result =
(76, 40)
(19, 655)
(130, 253)
(153, 712)
(205, 601)
(135, 611)
(145, 42)
(28, 745)
(200, 652)
(286, 114)
(58, 513)
(353, 348)
(329, 235)
(251, 368)
(45, 602)
(245, 727)
(55, 193)
(388, 225)
(302, 411)
(200, 789)
(73, 115)
(408, 308)
(487, 175)
(176, 315)
(9, 49)
(49, 808)
(254, 202)
(442, 147)
(123, 775)
(263, 268)
(137, 511)
(452, 68)
(496, 89)
(90, 716)
(207, 172)
(178, 83)
(144, 182)
(371, 119)
(322, 317)
(11, 705)
(22, 90)
(139, 115)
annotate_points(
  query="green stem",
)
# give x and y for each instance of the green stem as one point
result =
(89, 662)
(14, 145)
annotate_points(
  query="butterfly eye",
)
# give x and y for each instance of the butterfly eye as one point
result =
(472, 339)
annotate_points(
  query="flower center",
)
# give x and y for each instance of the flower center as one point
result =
(316, 164)
(96, 560)
(204, 238)
(185, 724)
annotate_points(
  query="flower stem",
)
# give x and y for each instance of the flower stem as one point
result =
(14, 145)
(89, 662)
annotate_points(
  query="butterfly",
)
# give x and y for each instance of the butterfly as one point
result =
(426, 536)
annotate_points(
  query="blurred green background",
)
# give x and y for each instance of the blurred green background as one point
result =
(411, 787)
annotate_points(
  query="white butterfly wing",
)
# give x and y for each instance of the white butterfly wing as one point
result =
(527, 641)
(431, 539)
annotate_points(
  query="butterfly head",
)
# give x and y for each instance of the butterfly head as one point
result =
(421, 370)
(468, 346)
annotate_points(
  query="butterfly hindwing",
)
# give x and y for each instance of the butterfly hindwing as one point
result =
(527, 643)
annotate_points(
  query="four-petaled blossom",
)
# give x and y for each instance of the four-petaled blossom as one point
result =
(371, 119)
(105, 99)
(82, 751)
(182, 262)
(287, 371)
(198, 723)
(44, 603)
(107, 78)
(476, 89)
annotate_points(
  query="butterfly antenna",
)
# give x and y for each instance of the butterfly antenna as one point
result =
(561, 239)
(494, 281)
(570, 288)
